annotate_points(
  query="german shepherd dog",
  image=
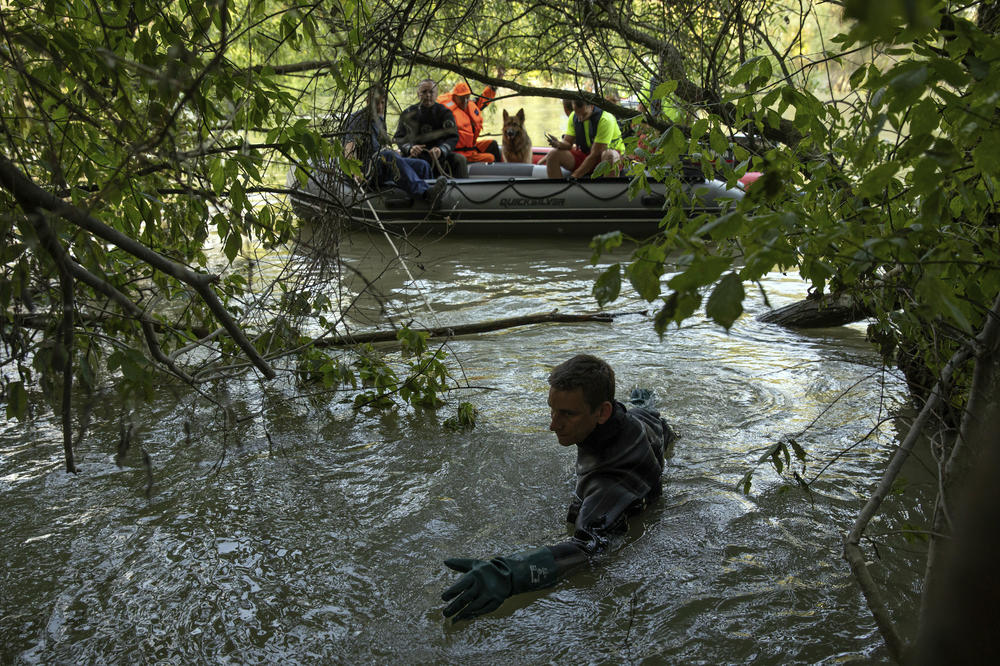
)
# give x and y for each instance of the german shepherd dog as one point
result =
(516, 142)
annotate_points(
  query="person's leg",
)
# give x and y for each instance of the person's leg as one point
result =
(557, 161)
(490, 147)
(420, 167)
(459, 166)
(403, 173)
(476, 156)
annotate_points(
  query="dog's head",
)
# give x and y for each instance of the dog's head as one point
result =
(513, 125)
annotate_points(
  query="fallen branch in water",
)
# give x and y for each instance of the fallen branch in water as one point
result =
(824, 312)
(478, 327)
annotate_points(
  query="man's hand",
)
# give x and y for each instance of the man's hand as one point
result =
(558, 144)
(482, 589)
(486, 584)
(417, 149)
(436, 152)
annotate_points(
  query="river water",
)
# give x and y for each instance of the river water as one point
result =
(316, 534)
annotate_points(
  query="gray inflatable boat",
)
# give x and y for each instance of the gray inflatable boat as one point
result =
(505, 199)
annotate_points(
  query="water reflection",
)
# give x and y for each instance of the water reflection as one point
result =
(323, 541)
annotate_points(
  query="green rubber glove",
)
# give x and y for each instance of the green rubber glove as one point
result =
(485, 585)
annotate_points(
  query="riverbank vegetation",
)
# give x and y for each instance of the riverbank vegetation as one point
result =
(142, 188)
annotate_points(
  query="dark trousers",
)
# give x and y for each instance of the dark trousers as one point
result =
(407, 173)
(454, 165)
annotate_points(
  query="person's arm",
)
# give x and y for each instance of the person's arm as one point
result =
(486, 584)
(353, 132)
(565, 143)
(447, 144)
(591, 161)
(399, 138)
(485, 97)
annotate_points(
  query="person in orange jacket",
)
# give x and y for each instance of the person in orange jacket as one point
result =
(469, 119)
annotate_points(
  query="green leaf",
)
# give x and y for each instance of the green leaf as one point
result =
(858, 76)
(987, 155)
(702, 271)
(17, 401)
(908, 86)
(698, 128)
(604, 243)
(666, 313)
(776, 460)
(724, 226)
(764, 73)
(924, 118)
(800, 453)
(718, 141)
(645, 270)
(234, 243)
(877, 179)
(746, 70)
(608, 285)
(664, 89)
(217, 175)
(725, 305)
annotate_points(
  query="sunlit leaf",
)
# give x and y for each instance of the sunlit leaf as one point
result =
(725, 305)
(608, 285)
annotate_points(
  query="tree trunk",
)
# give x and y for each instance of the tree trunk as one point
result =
(960, 610)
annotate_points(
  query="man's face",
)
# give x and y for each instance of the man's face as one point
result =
(583, 111)
(461, 101)
(572, 418)
(426, 93)
(378, 105)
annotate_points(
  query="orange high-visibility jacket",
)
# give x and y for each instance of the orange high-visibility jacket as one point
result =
(469, 121)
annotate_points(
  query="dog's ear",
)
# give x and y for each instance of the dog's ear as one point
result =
(505, 115)
(520, 115)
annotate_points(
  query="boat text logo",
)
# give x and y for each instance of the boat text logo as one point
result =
(517, 202)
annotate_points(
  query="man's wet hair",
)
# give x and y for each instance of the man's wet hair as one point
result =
(586, 372)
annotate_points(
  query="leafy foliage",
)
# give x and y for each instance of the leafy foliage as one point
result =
(142, 177)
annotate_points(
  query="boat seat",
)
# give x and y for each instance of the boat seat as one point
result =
(506, 170)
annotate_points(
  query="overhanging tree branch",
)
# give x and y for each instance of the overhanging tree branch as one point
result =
(32, 197)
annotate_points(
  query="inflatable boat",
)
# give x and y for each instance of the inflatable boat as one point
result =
(507, 199)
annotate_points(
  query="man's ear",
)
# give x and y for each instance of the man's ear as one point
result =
(604, 411)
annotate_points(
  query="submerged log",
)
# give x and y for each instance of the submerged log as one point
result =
(478, 327)
(823, 312)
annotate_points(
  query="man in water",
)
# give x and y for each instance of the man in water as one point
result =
(620, 453)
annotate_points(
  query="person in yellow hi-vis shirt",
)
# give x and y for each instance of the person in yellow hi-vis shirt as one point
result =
(592, 136)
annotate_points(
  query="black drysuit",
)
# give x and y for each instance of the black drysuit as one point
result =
(416, 122)
(618, 470)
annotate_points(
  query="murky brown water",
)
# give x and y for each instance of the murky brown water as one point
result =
(319, 536)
